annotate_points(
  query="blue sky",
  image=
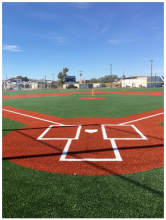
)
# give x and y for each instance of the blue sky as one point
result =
(41, 39)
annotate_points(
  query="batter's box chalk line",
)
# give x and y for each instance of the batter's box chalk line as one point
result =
(105, 137)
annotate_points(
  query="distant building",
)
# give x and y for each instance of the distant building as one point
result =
(18, 77)
(142, 81)
(84, 81)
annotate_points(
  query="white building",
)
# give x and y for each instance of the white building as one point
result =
(143, 81)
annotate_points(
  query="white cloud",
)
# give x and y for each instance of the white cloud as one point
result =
(57, 39)
(11, 48)
(80, 4)
(105, 29)
(113, 41)
(117, 42)
(60, 40)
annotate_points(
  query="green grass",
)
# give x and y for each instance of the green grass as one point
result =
(29, 193)
(162, 124)
(68, 106)
(18, 92)
(10, 125)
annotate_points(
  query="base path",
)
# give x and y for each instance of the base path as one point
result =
(86, 146)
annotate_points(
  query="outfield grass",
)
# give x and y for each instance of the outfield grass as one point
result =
(21, 92)
(29, 193)
(116, 105)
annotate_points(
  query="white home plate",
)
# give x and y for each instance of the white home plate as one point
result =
(91, 130)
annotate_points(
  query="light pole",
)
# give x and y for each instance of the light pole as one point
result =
(111, 72)
(151, 71)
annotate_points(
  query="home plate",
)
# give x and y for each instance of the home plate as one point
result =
(91, 130)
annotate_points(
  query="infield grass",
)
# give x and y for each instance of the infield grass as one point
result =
(28, 193)
(70, 106)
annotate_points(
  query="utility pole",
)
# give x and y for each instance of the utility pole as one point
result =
(111, 73)
(151, 71)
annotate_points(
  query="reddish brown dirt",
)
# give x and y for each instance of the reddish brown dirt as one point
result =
(72, 93)
(93, 98)
(22, 147)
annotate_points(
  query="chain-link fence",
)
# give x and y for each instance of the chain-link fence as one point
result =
(124, 84)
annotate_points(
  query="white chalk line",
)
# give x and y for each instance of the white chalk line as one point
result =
(32, 117)
(141, 119)
(64, 153)
(63, 124)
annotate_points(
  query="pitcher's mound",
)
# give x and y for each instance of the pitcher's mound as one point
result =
(93, 98)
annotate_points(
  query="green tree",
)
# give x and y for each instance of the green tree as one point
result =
(93, 80)
(61, 76)
(25, 79)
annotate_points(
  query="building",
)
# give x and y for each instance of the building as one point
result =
(142, 81)
(47, 84)
(84, 81)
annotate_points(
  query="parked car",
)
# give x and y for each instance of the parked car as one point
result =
(71, 87)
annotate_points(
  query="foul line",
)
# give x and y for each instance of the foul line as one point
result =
(63, 124)
(32, 117)
(141, 119)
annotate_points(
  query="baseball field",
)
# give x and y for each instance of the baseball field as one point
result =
(83, 154)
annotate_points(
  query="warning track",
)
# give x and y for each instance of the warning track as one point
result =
(86, 146)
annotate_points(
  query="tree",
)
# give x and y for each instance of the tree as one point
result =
(62, 75)
(105, 79)
(25, 79)
(93, 80)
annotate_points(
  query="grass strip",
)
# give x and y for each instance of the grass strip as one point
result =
(71, 106)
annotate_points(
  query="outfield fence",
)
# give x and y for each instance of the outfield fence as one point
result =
(124, 84)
